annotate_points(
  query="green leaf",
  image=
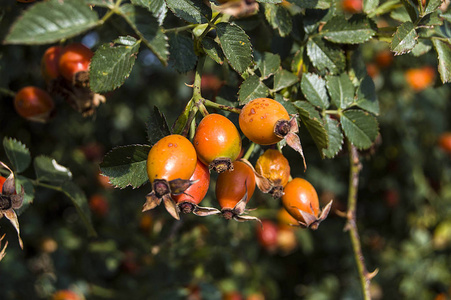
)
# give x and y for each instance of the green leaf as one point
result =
(156, 7)
(313, 122)
(405, 39)
(17, 153)
(146, 26)
(423, 47)
(268, 64)
(283, 79)
(400, 14)
(192, 11)
(411, 8)
(252, 88)
(313, 4)
(101, 3)
(182, 56)
(360, 128)
(279, 18)
(314, 89)
(51, 21)
(291, 109)
(325, 56)
(358, 67)
(112, 64)
(79, 200)
(157, 127)
(236, 46)
(48, 170)
(213, 50)
(28, 188)
(182, 119)
(370, 5)
(126, 166)
(341, 90)
(444, 59)
(356, 30)
(367, 96)
(432, 19)
(335, 137)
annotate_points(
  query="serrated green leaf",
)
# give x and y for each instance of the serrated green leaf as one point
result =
(313, 122)
(312, 19)
(444, 59)
(111, 65)
(405, 39)
(48, 170)
(156, 7)
(297, 64)
(17, 153)
(126, 166)
(367, 96)
(146, 26)
(236, 46)
(157, 127)
(268, 64)
(335, 137)
(423, 47)
(370, 5)
(312, 4)
(325, 56)
(360, 128)
(356, 30)
(411, 8)
(279, 18)
(432, 19)
(79, 200)
(283, 79)
(182, 119)
(314, 89)
(182, 56)
(341, 90)
(358, 67)
(252, 88)
(400, 14)
(291, 109)
(213, 50)
(125, 41)
(101, 3)
(28, 188)
(432, 6)
(192, 11)
(51, 21)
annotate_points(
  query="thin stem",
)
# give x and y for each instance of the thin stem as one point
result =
(178, 29)
(7, 92)
(249, 151)
(351, 226)
(212, 104)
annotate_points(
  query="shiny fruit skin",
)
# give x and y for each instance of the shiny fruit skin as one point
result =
(421, 78)
(284, 219)
(352, 6)
(445, 142)
(300, 195)
(216, 136)
(172, 157)
(274, 166)
(2, 181)
(50, 63)
(230, 188)
(258, 118)
(33, 103)
(267, 235)
(74, 58)
(65, 295)
(196, 192)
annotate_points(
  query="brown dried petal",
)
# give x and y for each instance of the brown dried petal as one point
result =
(264, 184)
(240, 207)
(12, 217)
(17, 200)
(3, 252)
(294, 142)
(178, 186)
(171, 206)
(205, 211)
(9, 187)
(152, 201)
(325, 211)
(247, 218)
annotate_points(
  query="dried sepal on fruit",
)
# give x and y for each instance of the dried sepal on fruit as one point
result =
(273, 166)
(3, 251)
(188, 201)
(265, 121)
(10, 200)
(233, 191)
(264, 184)
(170, 164)
(301, 201)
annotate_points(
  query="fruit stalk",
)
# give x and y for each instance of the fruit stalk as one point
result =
(351, 226)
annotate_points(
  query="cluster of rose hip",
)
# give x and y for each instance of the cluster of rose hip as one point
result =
(66, 72)
(179, 170)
